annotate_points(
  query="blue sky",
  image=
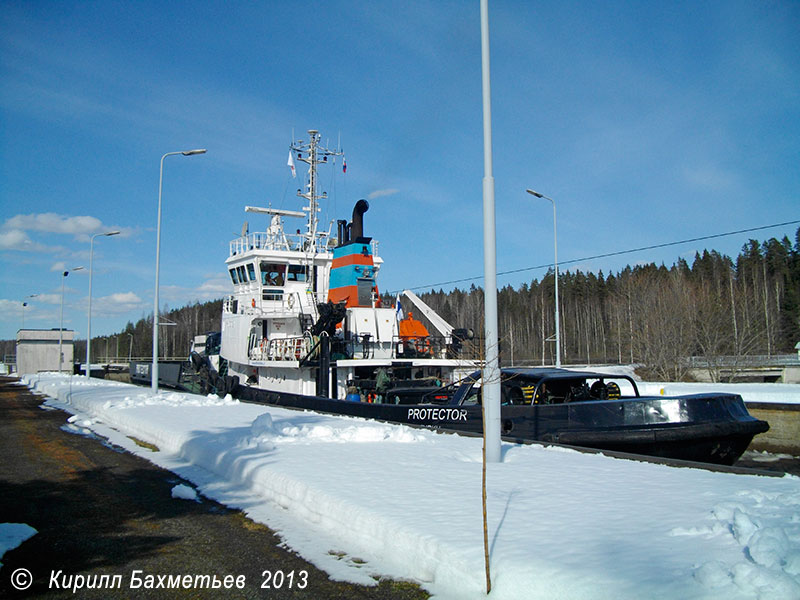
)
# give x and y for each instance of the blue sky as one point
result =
(648, 122)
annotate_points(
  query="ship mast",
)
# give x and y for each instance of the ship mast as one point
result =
(312, 153)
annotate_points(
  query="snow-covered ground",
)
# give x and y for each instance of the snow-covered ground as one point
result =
(360, 498)
(787, 393)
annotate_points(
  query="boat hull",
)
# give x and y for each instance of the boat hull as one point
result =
(169, 373)
(712, 428)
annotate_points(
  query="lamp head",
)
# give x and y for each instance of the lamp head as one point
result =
(191, 152)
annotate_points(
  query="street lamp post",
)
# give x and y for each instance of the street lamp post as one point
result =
(154, 368)
(491, 371)
(555, 257)
(89, 324)
(61, 324)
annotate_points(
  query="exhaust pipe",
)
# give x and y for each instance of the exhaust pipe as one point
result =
(357, 225)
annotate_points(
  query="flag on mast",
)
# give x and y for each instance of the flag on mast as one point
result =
(344, 165)
(290, 162)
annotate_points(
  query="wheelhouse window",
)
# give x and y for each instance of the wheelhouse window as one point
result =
(234, 276)
(251, 271)
(241, 273)
(297, 273)
(272, 274)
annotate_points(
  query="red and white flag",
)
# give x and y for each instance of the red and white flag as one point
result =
(290, 162)
(344, 165)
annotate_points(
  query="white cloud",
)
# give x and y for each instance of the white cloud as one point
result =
(116, 304)
(212, 289)
(11, 310)
(215, 288)
(54, 223)
(710, 178)
(17, 239)
(46, 299)
(125, 297)
(380, 193)
(13, 239)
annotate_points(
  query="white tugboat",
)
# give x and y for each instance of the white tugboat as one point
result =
(306, 315)
(306, 328)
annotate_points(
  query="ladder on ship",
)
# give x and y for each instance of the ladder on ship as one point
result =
(306, 321)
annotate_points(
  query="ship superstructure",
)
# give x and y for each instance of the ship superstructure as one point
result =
(306, 316)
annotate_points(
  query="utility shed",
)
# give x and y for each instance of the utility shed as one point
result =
(37, 350)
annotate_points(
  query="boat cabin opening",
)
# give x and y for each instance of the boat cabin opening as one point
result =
(519, 388)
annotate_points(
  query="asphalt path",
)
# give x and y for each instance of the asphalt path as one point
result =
(100, 511)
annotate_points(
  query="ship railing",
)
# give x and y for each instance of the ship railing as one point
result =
(280, 349)
(774, 360)
(265, 241)
(427, 347)
(280, 241)
(295, 242)
(299, 347)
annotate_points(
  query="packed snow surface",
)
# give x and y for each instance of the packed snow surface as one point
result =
(363, 499)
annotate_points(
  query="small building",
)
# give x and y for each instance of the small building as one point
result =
(37, 350)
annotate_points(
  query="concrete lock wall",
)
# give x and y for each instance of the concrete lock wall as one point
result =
(784, 427)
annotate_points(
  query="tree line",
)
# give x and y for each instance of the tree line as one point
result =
(649, 315)
(177, 328)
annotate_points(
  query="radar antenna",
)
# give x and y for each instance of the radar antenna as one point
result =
(312, 153)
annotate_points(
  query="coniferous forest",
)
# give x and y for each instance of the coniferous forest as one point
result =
(650, 315)
(653, 316)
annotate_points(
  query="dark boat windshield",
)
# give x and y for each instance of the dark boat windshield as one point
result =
(550, 386)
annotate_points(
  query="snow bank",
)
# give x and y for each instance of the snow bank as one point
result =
(360, 498)
(185, 492)
(788, 393)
